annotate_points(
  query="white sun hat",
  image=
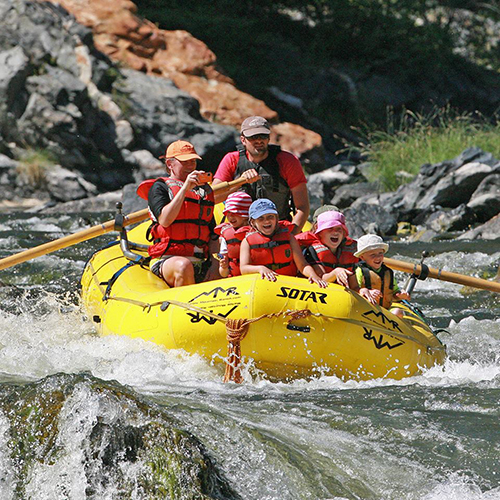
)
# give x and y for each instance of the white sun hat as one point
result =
(370, 242)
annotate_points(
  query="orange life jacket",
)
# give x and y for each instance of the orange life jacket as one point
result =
(274, 252)
(383, 281)
(227, 231)
(190, 229)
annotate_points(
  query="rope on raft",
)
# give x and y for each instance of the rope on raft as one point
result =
(236, 330)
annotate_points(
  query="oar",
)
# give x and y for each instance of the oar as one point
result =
(439, 274)
(92, 232)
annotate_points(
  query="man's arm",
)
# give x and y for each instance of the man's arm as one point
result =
(300, 198)
(226, 172)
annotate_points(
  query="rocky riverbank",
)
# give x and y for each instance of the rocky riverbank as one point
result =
(88, 103)
(459, 197)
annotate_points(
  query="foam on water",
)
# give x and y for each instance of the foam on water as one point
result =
(6, 467)
(458, 486)
(55, 338)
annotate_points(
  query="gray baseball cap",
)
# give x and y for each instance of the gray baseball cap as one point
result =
(254, 125)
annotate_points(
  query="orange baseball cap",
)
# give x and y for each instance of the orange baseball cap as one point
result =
(182, 150)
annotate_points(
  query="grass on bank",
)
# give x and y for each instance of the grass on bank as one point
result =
(413, 139)
(33, 167)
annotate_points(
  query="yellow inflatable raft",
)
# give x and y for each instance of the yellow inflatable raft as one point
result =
(289, 328)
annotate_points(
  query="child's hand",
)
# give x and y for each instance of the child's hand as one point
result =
(342, 276)
(319, 281)
(402, 296)
(223, 265)
(372, 296)
(364, 292)
(267, 274)
(223, 261)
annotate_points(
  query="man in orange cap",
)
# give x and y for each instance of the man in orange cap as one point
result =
(271, 172)
(182, 230)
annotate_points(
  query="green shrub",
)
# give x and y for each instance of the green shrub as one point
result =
(411, 140)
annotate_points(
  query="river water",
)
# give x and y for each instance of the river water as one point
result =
(435, 436)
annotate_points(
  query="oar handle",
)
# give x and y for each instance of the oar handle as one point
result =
(439, 274)
(92, 232)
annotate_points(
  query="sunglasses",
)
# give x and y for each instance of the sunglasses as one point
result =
(257, 137)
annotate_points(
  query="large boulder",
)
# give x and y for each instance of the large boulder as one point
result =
(485, 201)
(370, 219)
(445, 183)
(488, 231)
(456, 187)
(14, 68)
(64, 185)
(347, 194)
(62, 98)
(322, 186)
(180, 57)
(448, 220)
(74, 436)
(160, 113)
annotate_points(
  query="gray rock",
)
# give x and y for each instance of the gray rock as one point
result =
(79, 114)
(456, 219)
(353, 173)
(8, 177)
(59, 87)
(14, 68)
(64, 185)
(430, 186)
(160, 113)
(7, 163)
(455, 188)
(385, 200)
(370, 219)
(124, 134)
(322, 186)
(475, 154)
(124, 444)
(485, 201)
(105, 202)
(131, 201)
(408, 195)
(147, 166)
(488, 231)
(346, 195)
(316, 192)
(424, 235)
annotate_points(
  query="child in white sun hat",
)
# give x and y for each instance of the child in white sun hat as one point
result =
(375, 279)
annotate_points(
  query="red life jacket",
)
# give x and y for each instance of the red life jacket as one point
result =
(274, 252)
(190, 229)
(233, 245)
(317, 253)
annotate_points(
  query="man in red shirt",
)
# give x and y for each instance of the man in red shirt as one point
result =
(271, 172)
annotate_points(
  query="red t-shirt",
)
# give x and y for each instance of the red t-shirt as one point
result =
(289, 164)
